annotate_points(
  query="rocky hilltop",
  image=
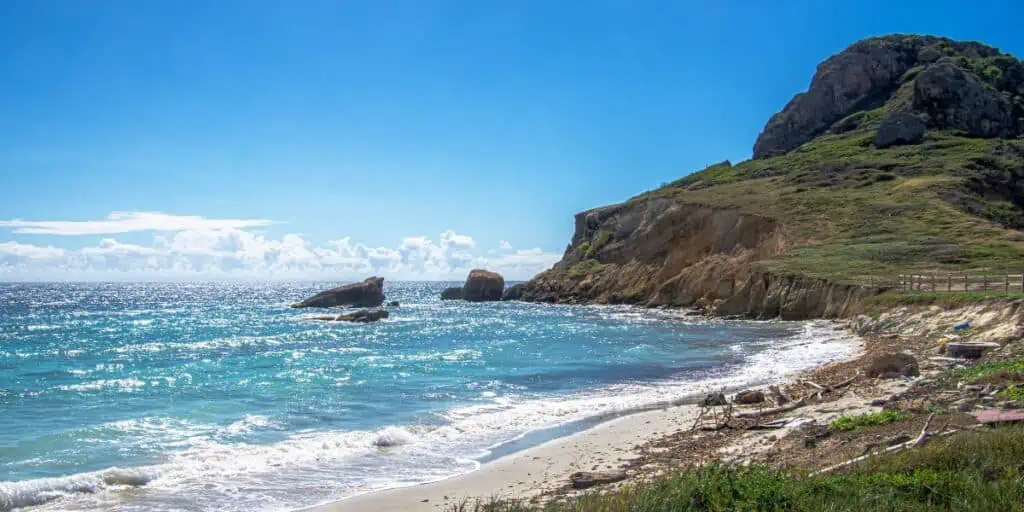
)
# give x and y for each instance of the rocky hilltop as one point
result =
(902, 156)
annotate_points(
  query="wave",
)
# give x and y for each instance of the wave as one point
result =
(36, 492)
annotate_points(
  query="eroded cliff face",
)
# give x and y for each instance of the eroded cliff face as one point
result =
(658, 251)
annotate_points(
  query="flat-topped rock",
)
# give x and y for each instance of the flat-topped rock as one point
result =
(482, 286)
(364, 294)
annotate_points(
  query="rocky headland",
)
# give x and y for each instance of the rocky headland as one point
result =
(902, 156)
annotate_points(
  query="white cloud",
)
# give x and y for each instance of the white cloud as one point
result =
(232, 252)
(128, 222)
(504, 245)
(32, 252)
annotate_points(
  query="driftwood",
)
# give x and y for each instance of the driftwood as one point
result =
(586, 479)
(771, 410)
(914, 443)
(780, 396)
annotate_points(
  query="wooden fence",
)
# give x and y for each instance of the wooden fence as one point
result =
(959, 282)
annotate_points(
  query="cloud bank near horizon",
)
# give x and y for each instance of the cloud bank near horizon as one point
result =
(194, 247)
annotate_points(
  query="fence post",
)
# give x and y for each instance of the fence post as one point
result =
(1006, 283)
(1022, 281)
(984, 282)
(949, 282)
(966, 284)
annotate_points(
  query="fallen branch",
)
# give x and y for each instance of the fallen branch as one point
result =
(772, 410)
(902, 446)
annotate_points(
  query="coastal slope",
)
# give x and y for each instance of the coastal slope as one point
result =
(904, 155)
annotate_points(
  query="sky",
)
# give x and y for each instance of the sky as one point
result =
(412, 139)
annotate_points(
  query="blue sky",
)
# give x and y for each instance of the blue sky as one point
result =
(471, 130)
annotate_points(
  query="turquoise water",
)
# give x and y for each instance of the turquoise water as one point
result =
(220, 397)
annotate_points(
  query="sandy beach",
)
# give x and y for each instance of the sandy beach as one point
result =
(532, 471)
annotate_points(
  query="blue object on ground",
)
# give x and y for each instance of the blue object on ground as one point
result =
(962, 326)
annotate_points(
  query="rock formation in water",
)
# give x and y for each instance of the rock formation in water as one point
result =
(452, 293)
(363, 316)
(514, 292)
(480, 286)
(483, 286)
(364, 294)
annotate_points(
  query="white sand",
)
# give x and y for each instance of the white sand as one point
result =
(531, 472)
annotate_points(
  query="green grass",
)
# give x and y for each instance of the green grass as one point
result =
(586, 267)
(947, 299)
(968, 472)
(1013, 392)
(996, 371)
(854, 213)
(850, 423)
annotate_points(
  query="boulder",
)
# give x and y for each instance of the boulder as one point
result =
(956, 99)
(365, 294)
(892, 365)
(482, 285)
(899, 128)
(514, 292)
(452, 293)
(969, 350)
(749, 396)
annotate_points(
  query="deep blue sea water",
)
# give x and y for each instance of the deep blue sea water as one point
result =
(217, 396)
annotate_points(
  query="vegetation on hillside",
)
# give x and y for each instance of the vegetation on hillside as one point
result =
(853, 213)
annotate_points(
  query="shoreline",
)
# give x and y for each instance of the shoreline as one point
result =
(541, 469)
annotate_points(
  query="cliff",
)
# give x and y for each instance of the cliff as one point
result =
(899, 158)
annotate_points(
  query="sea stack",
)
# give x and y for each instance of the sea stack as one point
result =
(482, 286)
(365, 294)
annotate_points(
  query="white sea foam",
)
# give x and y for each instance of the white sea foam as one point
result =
(36, 492)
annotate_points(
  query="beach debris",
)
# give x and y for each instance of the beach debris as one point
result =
(914, 443)
(587, 479)
(772, 410)
(962, 326)
(781, 423)
(781, 398)
(749, 396)
(365, 294)
(990, 416)
(892, 365)
(969, 350)
(712, 399)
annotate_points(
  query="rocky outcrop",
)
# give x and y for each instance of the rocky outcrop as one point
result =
(452, 293)
(955, 85)
(954, 98)
(363, 316)
(657, 251)
(365, 294)
(482, 286)
(899, 128)
(514, 292)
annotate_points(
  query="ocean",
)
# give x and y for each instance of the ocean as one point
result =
(217, 396)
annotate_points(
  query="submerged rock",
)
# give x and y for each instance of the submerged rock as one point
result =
(365, 294)
(483, 285)
(393, 304)
(452, 293)
(363, 316)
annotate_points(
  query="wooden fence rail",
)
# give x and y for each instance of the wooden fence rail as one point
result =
(957, 282)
